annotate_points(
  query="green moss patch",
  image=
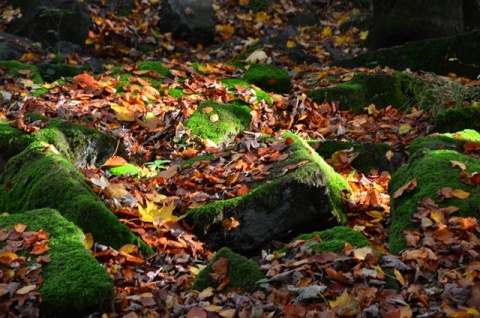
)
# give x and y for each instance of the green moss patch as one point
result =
(75, 284)
(21, 70)
(457, 119)
(125, 170)
(231, 120)
(231, 83)
(157, 69)
(432, 170)
(242, 272)
(334, 239)
(451, 141)
(37, 178)
(52, 72)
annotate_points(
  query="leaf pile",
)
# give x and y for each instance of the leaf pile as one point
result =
(21, 262)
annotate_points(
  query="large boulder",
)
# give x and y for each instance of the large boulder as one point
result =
(308, 198)
(13, 47)
(189, 20)
(49, 22)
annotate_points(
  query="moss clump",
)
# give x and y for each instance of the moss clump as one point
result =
(268, 78)
(458, 119)
(13, 68)
(231, 83)
(242, 272)
(74, 283)
(41, 179)
(365, 89)
(334, 239)
(155, 79)
(125, 170)
(432, 170)
(231, 119)
(451, 141)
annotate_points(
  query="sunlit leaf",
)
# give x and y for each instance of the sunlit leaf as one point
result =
(153, 214)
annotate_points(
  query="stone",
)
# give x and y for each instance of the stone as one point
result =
(13, 47)
(189, 20)
(306, 199)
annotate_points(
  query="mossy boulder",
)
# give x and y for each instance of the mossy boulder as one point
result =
(432, 170)
(231, 119)
(428, 55)
(242, 272)
(78, 144)
(260, 95)
(306, 199)
(451, 141)
(334, 239)
(370, 155)
(268, 77)
(38, 178)
(156, 76)
(457, 119)
(364, 89)
(74, 283)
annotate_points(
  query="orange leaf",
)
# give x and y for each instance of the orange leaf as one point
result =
(197, 312)
(20, 228)
(243, 190)
(230, 223)
(459, 193)
(84, 80)
(219, 269)
(410, 185)
(115, 161)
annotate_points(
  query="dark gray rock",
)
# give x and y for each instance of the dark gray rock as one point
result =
(51, 21)
(190, 20)
(13, 47)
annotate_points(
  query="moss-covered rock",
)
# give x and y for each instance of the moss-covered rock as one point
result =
(370, 155)
(457, 119)
(74, 283)
(242, 272)
(334, 239)
(231, 119)
(268, 78)
(38, 178)
(432, 170)
(231, 83)
(364, 89)
(309, 198)
(155, 77)
(77, 143)
(451, 141)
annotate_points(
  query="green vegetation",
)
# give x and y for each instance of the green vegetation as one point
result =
(457, 119)
(21, 70)
(334, 239)
(125, 170)
(451, 141)
(230, 83)
(231, 120)
(74, 283)
(242, 272)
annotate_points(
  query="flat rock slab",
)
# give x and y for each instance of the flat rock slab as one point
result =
(75, 284)
(308, 198)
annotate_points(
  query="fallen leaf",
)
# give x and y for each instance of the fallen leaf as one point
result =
(410, 185)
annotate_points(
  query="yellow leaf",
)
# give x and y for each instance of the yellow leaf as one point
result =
(261, 17)
(122, 113)
(462, 166)
(473, 312)
(290, 44)
(404, 129)
(152, 213)
(389, 155)
(207, 292)
(345, 302)
(327, 31)
(244, 2)
(363, 35)
(228, 313)
(88, 241)
(459, 193)
(214, 118)
(361, 253)
(399, 276)
(128, 248)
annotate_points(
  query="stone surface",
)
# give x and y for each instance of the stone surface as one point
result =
(305, 199)
(189, 20)
(49, 22)
(13, 47)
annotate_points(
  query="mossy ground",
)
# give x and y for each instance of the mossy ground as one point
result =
(334, 239)
(13, 68)
(155, 82)
(215, 211)
(242, 272)
(231, 119)
(41, 179)
(230, 83)
(74, 283)
(433, 170)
